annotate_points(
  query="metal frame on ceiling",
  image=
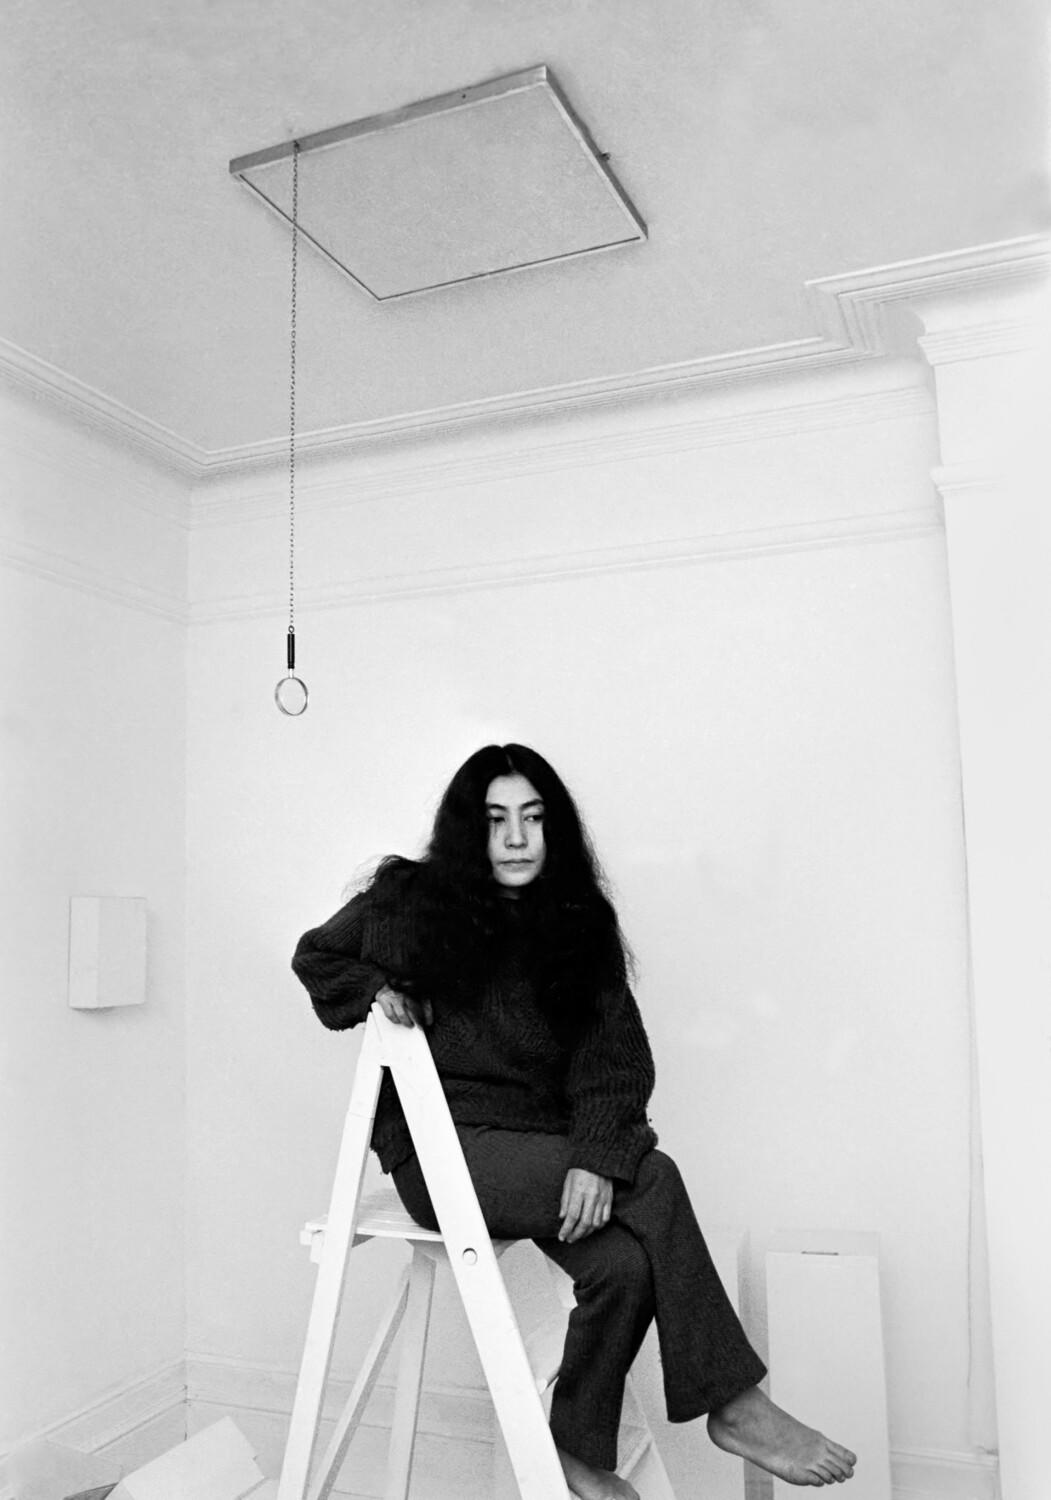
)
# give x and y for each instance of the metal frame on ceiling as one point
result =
(494, 88)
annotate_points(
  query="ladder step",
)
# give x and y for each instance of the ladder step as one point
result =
(380, 1217)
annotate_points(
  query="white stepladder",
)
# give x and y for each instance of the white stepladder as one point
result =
(515, 1386)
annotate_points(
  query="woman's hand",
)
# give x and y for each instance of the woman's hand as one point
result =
(587, 1202)
(403, 1011)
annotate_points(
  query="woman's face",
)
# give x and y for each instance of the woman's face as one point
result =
(516, 832)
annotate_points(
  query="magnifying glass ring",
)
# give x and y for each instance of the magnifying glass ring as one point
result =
(291, 696)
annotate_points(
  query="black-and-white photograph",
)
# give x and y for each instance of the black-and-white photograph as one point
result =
(525, 776)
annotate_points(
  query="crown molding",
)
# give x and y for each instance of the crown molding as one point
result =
(606, 394)
(122, 423)
(891, 526)
(858, 316)
(883, 310)
(189, 460)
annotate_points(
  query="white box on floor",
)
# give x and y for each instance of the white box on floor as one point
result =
(826, 1347)
(216, 1464)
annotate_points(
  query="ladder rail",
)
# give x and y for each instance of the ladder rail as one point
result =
(346, 1425)
(332, 1270)
(472, 1259)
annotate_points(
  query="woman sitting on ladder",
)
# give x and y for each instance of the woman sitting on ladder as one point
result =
(502, 944)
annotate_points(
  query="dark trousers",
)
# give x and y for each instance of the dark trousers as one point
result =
(650, 1261)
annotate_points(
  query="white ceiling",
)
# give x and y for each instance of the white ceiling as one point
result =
(764, 143)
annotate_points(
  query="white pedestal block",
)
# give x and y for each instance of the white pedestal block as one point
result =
(107, 951)
(826, 1347)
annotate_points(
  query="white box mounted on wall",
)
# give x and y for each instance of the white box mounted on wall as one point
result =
(107, 951)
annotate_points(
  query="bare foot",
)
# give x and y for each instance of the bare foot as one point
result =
(752, 1427)
(593, 1484)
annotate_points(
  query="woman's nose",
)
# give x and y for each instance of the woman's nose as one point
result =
(515, 833)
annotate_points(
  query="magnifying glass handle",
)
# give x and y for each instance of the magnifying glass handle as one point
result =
(291, 651)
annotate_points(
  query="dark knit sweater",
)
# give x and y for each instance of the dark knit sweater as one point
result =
(498, 1058)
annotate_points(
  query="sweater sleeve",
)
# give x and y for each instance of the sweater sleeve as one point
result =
(331, 962)
(608, 1084)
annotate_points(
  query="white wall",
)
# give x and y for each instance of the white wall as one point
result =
(726, 621)
(993, 416)
(92, 745)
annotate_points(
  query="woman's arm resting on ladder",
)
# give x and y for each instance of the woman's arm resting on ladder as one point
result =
(402, 1009)
(335, 964)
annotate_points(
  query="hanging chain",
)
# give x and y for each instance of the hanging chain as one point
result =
(292, 401)
(291, 692)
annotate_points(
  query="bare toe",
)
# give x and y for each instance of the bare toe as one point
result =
(752, 1427)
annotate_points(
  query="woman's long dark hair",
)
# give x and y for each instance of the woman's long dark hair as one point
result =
(562, 925)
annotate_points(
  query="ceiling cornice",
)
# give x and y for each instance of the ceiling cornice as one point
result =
(883, 310)
(128, 427)
(604, 394)
(859, 316)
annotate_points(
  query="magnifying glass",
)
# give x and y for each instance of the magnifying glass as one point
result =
(291, 694)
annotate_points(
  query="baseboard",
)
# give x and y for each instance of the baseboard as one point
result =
(144, 1417)
(131, 1423)
(931, 1474)
(459, 1419)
